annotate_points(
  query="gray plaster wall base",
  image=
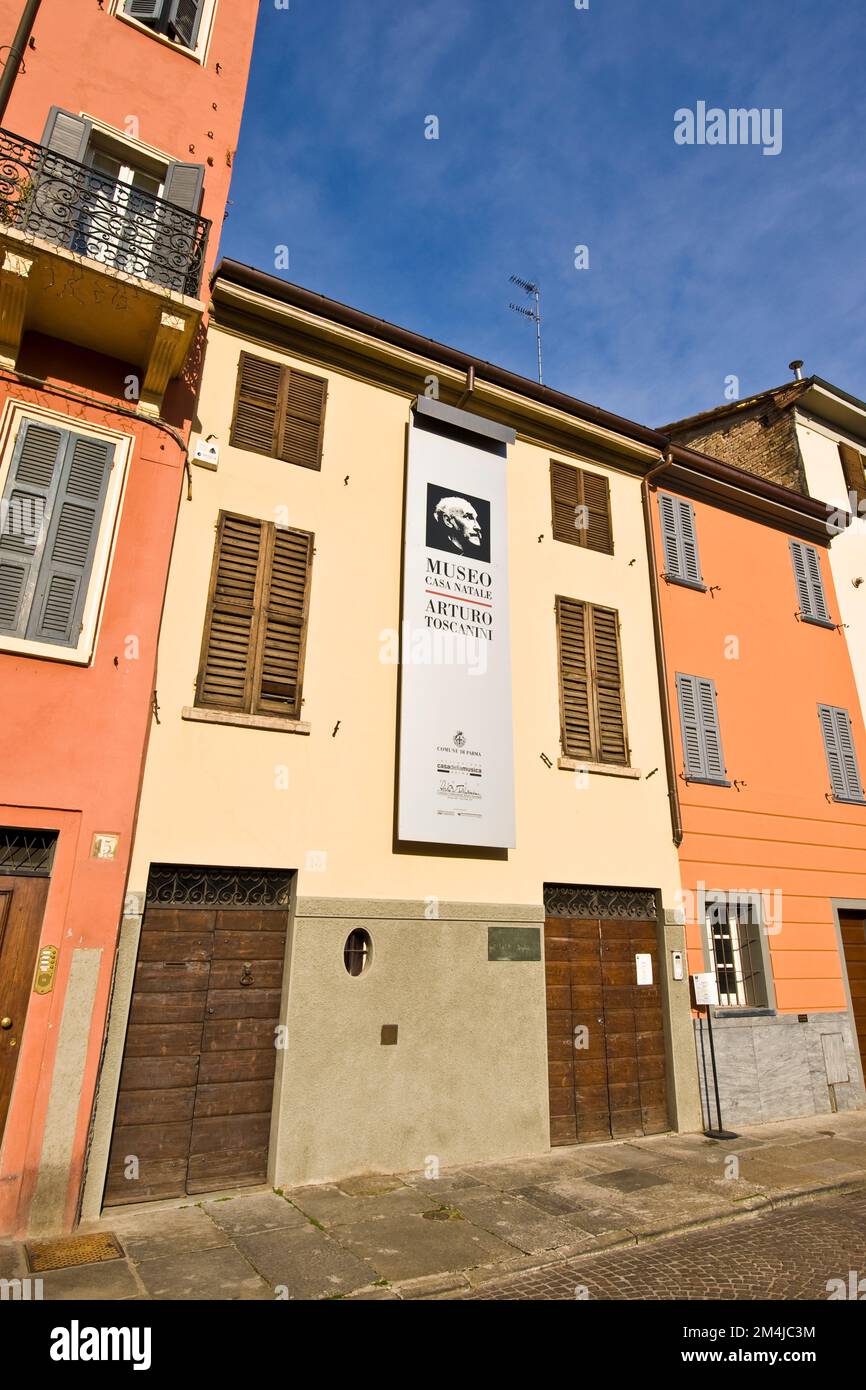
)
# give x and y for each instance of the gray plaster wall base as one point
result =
(48, 1210)
(772, 1067)
(112, 1058)
(464, 1077)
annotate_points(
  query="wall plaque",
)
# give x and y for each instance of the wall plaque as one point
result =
(514, 943)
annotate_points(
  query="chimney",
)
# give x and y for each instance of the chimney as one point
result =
(797, 368)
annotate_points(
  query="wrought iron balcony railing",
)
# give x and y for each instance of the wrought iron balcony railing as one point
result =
(76, 207)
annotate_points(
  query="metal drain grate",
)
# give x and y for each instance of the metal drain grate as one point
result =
(43, 1255)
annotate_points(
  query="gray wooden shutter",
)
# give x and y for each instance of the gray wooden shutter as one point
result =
(810, 585)
(679, 538)
(25, 512)
(66, 134)
(144, 9)
(61, 591)
(185, 16)
(699, 720)
(841, 757)
(688, 540)
(668, 515)
(183, 185)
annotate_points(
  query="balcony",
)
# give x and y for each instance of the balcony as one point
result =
(96, 262)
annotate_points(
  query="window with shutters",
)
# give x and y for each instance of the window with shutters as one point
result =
(699, 724)
(679, 541)
(735, 944)
(841, 756)
(252, 657)
(810, 584)
(279, 411)
(60, 491)
(580, 507)
(186, 23)
(854, 469)
(591, 697)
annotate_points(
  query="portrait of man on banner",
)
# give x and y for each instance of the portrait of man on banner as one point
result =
(458, 523)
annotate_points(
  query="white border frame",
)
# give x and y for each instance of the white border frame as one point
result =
(148, 153)
(15, 412)
(198, 54)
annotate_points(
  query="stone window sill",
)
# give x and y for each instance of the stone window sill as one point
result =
(722, 1012)
(196, 54)
(696, 584)
(604, 769)
(245, 721)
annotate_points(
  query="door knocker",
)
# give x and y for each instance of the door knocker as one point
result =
(247, 973)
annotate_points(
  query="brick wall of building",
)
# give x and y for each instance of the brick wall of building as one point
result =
(762, 440)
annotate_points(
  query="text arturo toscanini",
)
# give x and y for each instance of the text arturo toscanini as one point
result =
(451, 613)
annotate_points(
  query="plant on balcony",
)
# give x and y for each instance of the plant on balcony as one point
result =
(16, 196)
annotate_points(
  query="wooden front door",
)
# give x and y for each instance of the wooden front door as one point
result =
(22, 903)
(196, 1089)
(605, 1037)
(853, 925)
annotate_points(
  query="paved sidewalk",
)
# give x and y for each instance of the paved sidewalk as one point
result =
(404, 1237)
(806, 1251)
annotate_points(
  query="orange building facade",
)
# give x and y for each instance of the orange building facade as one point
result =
(770, 752)
(117, 145)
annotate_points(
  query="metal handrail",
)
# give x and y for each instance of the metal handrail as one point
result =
(76, 207)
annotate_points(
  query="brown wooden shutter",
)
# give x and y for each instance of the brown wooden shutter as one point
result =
(574, 694)
(607, 679)
(303, 418)
(572, 488)
(255, 422)
(592, 707)
(279, 412)
(596, 498)
(280, 660)
(853, 468)
(253, 645)
(226, 672)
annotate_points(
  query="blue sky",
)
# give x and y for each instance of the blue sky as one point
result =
(556, 129)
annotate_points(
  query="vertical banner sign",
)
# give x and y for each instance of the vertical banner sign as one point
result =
(456, 754)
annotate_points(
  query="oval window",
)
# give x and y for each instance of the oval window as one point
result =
(358, 951)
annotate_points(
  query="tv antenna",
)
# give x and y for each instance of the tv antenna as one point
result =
(534, 315)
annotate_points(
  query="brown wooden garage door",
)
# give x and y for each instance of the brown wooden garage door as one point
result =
(194, 1104)
(606, 1052)
(853, 926)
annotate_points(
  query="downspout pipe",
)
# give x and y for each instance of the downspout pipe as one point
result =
(15, 54)
(647, 484)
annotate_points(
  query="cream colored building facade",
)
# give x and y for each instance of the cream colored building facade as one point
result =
(827, 419)
(467, 1078)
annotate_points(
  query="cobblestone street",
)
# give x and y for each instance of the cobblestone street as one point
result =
(783, 1255)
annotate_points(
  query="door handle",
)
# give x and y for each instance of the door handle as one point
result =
(5, 1022)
